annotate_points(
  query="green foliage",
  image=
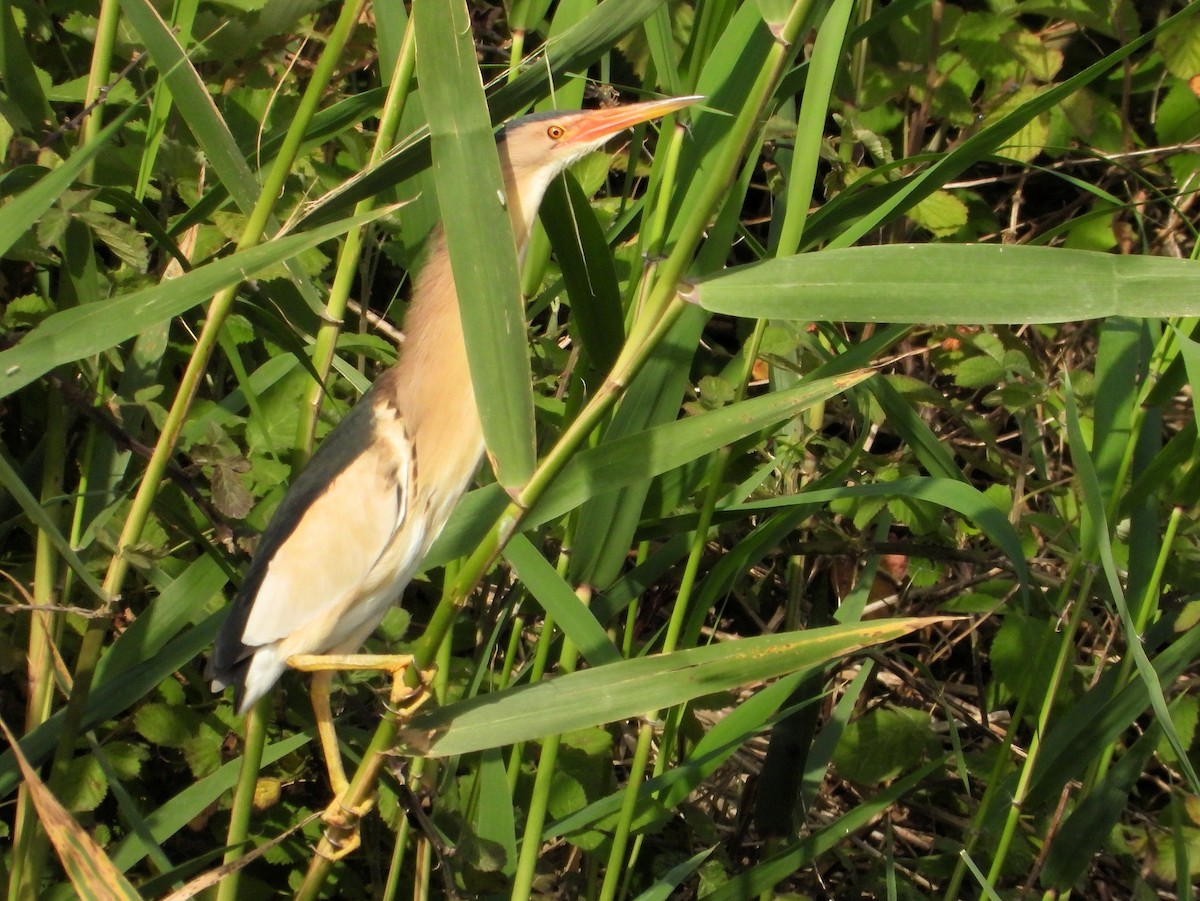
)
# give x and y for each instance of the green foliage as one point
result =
(744, 482)
(882, 744)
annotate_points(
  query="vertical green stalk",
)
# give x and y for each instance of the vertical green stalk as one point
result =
(1141, 613)
(539, 800)
(679, 611)
(745, 127)
(1062, 663)
(140, 509)
(994, 781)
(515, 53)
(243, 797)
(641, 761)
(183, 14)
(541, 657)
(99, 75)
(28, 842)
(348, 256)
(810, 124)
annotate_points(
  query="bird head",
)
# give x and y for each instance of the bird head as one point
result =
(536, 148)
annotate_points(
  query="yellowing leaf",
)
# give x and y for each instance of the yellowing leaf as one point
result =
(1180, 47)
(1029, 141)
(87, 866)
(941, 213)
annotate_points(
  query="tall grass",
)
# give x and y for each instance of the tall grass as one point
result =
(841, 532)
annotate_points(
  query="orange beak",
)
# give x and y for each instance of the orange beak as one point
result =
(598, 124)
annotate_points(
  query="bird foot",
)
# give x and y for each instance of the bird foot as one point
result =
(406, 700)
(341, 826)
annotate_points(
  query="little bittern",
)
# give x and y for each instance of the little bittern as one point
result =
(356, 523)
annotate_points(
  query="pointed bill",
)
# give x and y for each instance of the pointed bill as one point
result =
(598, 124)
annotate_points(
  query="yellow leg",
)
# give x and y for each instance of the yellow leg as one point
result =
(322, 682)
(342, 820)
(394, 664)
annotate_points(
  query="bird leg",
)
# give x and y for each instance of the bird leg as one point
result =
(340, 818)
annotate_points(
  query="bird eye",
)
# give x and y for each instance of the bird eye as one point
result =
(555, 132)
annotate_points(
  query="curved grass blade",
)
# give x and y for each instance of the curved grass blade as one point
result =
(661, 448)
(78, 332)
(763, 877)
(1093, 504)
(557, 599)
(634, 458)
(627, 689)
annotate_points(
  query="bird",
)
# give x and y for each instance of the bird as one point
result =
(354, 526)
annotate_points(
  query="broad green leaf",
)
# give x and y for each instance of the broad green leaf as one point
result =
(883, 743)
(941, 213)
(1180, 47)
(479, 236)
(588, 271)
(557, 599)
(495, 814)
(966, 283)
(1030, 139)
(633, 459)
(622, 690)
(85, 785)
(664, 447)
(166, 724)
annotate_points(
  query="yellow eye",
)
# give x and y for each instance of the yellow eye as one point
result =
(555, 132)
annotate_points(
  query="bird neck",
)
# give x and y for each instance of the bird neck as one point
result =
(431, 382)
(524, 189)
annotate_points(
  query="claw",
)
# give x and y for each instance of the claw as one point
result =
(341, 826)
(406, 701)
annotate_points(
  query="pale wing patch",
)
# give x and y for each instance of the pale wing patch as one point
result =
(338, 542)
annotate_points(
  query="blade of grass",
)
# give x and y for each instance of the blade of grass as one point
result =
(973, 285)
(764, 876)
(79, 332)
(559, 601)
(1093, 502)
(621, 690)
(479, 235)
